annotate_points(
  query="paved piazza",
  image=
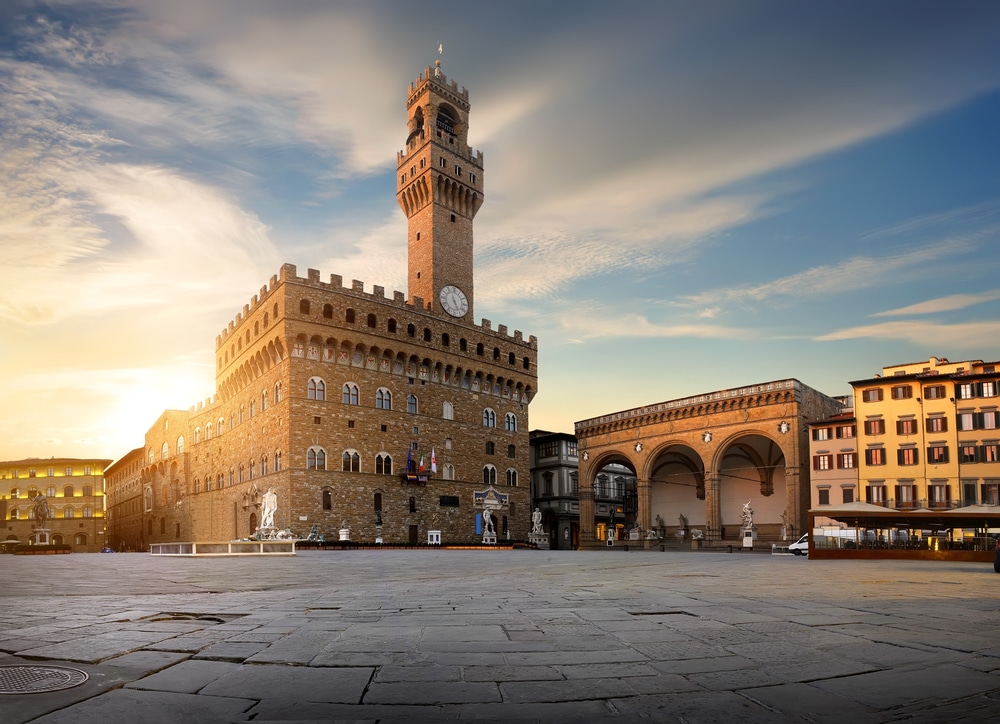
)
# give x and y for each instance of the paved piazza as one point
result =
(428, 635)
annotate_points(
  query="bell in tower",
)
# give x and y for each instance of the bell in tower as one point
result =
(440, 189)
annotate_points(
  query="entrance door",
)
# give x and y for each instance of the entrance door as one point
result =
(574, 535)
(414, 531)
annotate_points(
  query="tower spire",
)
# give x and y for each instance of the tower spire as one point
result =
(440, 189)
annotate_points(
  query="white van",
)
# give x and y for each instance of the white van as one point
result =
(801, 546)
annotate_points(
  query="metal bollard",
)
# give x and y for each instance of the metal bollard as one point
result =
(730, 549)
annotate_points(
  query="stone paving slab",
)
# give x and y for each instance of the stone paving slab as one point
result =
(523, 636)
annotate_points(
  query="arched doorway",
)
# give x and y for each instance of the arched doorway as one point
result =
(677, 492)
(751, 469)
(614, 493)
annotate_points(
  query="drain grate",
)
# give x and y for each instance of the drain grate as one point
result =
(39, 679)
(194, 617)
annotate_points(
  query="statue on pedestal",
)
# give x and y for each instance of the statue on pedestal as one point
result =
(41, 510)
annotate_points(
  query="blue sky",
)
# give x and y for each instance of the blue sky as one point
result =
(680, 196)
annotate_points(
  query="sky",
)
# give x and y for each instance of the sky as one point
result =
(680, 197)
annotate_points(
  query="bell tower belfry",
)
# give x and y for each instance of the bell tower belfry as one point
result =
(440, 189)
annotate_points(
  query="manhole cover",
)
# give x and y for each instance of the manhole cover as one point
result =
(37, 679)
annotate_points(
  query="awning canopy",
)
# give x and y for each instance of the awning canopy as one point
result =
(866, 515)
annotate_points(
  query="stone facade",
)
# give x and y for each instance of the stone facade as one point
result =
(325, 392)
(697, 460)
(125, 514)
(74, 491)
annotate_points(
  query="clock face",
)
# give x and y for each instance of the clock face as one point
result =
(454, 301)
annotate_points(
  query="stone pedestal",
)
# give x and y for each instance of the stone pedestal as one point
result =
(748, 535)
(490, 539)
(539, 540)
(378, 534)
(345, 534)
(40, 537)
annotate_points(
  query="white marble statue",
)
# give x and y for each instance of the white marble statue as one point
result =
(536, 521)
(269, 506)
(747, 515)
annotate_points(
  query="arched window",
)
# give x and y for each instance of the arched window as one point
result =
(277, 392)
(496, 353)
(197, 485)
(489, 418)
(489, 448)
(263, 464)
(263, 400)
(510, 422)
(511, 359)
(489, 475)
(197, 435)
(316, 389)
(14, 492)
(383, 464)
(80, 539)
(304, 306)
(208, 428)
(463, 344)
(445, 340)
(391, 326)
(327, 500)
(68, 491)
(50, 492)
(13, 513)
(383, 399)
(372, 321)
(511, 451)
(88, 512)
(243, 414)
(427, 335)
(449, 411)
(479, 349)
(328, 311)
(68, 511)
(350, 394)
(151, 454)
(411, 331)
(180, 445)
(448, 471)
(349, 316)
(232, 477)
(253, 409)
(351, 461)
(411, 404)
(511, 477)
(277, 460)
(316, 458)
(87, 491)
(243, 474)
(164, 451)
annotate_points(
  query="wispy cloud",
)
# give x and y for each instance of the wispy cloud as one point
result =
(851, 275)
(965, 335)
(950, 303)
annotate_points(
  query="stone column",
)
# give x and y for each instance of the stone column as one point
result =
(587, 527)
(644, 520)
(794, 497)
(713, 507)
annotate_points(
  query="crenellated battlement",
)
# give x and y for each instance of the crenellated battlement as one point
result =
(439, 79)
(289, 275)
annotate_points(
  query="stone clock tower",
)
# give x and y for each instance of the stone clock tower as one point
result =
(440, 189)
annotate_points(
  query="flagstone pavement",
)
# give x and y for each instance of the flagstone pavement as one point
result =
(545, 636)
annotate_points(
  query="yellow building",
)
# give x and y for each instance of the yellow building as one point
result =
(929, 435)
(74, 491)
